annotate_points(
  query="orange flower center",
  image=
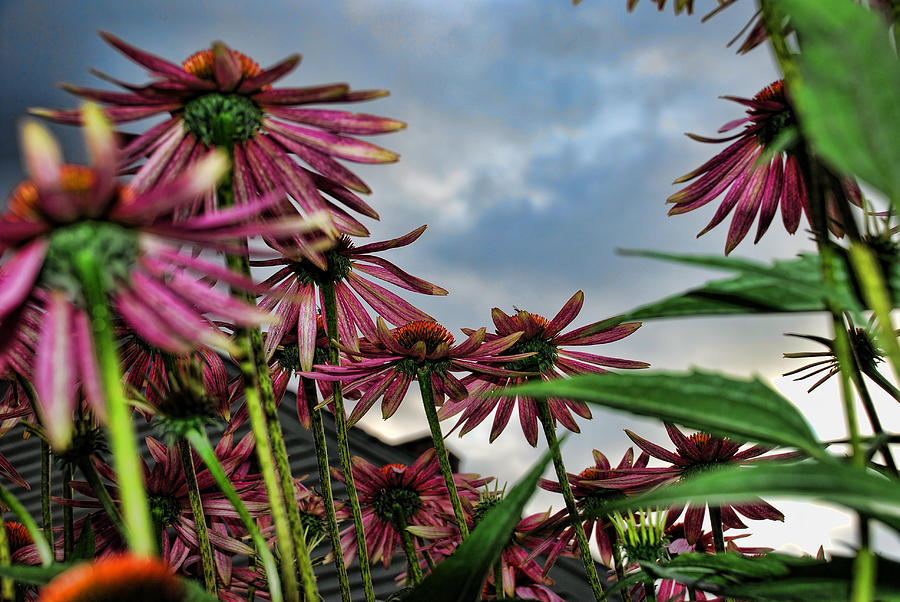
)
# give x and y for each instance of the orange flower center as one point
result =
(699, 439)
(430, 333)
(201, 64)
(541, 320)
(774, 91)
(590, 474)
(17, 535)
(74, 180)
(389, 469)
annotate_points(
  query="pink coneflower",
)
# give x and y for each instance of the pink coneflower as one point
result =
(351, 270)
(701, 452)
(418, 491)
(393, 359)
(167, 490)
(755, 184)
(593, 487)
(220, 97)
(67, 212)
(550, 358)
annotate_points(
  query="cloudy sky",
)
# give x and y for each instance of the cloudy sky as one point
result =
(541, 138)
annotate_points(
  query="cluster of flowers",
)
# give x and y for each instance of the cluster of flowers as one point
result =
(235, 159)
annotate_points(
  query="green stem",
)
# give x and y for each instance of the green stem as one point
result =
(414, 572)
(7, 585)
(287, 516)
(772, 18)
(498, 580)
(340, 426)
(562, 477)
(46, 514)
(68, 511)
(122, 438)
(886, 385)
(613, 538)
(206, 452)
(207, 560)
(650, 590)
(863, 588)
(283, 537)
(872, 414)
(45, 552)
(89, 470)
(321, 445)
(715, 518)
(437, 437)
(878, 298)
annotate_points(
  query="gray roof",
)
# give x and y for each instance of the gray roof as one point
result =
(25, 457)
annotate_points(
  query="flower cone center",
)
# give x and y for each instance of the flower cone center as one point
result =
(165, 509)
(222, 119)
(200, 64)
(430, 333)
(112, 246)
(406, 499)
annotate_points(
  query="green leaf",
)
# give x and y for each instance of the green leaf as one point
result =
(84, 547)
(33, 575)
(743, 409)
(847, 95)
(194, 592)
(851, 487)
(793, 285)
(773, 576)
(460, 577)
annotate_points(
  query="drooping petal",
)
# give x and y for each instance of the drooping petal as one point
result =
(55, 371)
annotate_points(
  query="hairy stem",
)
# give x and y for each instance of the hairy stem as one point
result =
(414, 572)
(206, 452)
(613, 537)
(440, 449)
(89, 471)
(715, 518)
(590, 568)
(46, 514)
(68, 511)
(7, 585)
(207, 560)
(329, 298)
(321, 445)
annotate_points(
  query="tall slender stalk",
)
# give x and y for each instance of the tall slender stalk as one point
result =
(613, 538)
(590, 568)
(122, 437)
(68, 512)
(250, 340)
(204, 449)
(46, 514)
(89, 471)
(207, 561)
(7, 585)
(329, 298)
(437, 438)
(414, 572)
(715, 519)
(318, 430)
(283, 538)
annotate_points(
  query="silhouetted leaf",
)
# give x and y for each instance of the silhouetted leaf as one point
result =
(461, 577)
(847, 95)
(744, 409)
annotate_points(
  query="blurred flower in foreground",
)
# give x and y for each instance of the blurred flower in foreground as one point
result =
(550, 359)
(760, 170)
(699, 453)
(220, 97)
(116, 578)
(67, 217)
